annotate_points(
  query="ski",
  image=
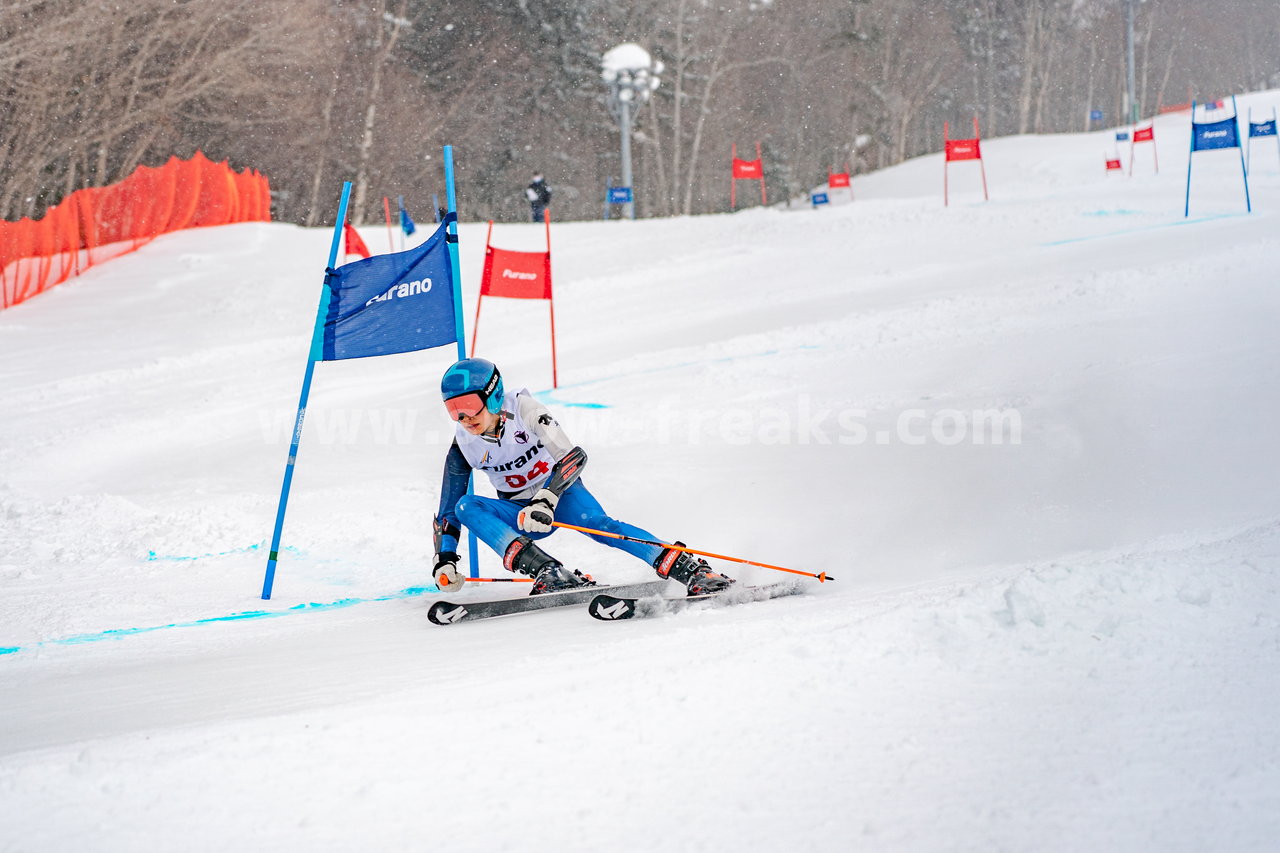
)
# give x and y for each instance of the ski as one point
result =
(612, 605)
(452, 612)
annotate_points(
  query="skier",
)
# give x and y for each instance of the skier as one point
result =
(536, 471)
(539, 196)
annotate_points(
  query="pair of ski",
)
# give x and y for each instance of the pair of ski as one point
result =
(607, 603)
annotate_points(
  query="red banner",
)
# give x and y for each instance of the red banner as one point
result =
(516, 275)
(837, 179)
(750, 169)
(963, 149)
(1147, 134)
(99, 223)
(1113, 165)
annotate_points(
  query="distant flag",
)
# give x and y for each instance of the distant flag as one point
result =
(391, 303)
(406, 224)
(1217, 135)
(355, 245)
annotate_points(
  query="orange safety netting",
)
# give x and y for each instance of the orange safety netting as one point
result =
(95, 224)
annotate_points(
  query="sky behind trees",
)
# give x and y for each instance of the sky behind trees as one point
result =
(314, 92)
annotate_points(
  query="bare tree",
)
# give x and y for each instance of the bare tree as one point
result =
(315, 92)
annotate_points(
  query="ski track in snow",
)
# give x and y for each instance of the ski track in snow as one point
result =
(1061, 642)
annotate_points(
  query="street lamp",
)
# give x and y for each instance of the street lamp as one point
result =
(632, 76)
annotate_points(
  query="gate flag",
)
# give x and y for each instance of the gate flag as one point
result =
(355, 244)
(390, 303)
(407, 225)
(745, 170)
(518, 275)
(840, 179)
(1258, 129)
(1144, 134)
(961, 149)
(1262, 128)
(1216, 136)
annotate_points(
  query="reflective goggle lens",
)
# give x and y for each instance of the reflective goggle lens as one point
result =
(466, 406)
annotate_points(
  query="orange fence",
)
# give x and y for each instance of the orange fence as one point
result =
(92, 225)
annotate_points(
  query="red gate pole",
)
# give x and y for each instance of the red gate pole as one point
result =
(977, 140)
(733, 177)
(386, 210)
(484, 280)
(551, 302)
(946, 161)
(764, 200)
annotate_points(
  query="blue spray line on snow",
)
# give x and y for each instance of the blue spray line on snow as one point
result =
(546, 395)
(310, 607)
(152, 556)
(1129, 231)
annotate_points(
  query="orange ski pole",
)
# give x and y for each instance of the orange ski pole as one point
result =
(822, 577)
(498, 580)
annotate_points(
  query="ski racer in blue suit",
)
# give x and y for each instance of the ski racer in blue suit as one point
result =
(514, 440)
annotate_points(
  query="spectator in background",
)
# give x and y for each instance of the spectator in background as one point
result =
(539, 195)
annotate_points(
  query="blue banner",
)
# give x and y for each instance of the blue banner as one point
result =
(1122, 136)
(406, 224)
(820, 198)
(1262, 128)
(391, 303)
(1218, 134)
(619, 195)
(1095, 115)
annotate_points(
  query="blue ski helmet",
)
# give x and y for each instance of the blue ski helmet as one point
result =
(472, 376)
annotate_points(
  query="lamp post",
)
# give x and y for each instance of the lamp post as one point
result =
(632, 76)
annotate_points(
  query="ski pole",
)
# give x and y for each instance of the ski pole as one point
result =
(822, 577)
(498, 580)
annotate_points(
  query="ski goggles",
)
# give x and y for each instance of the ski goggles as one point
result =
(466, 406)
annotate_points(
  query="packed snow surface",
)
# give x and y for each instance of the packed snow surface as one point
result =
(1033, 440)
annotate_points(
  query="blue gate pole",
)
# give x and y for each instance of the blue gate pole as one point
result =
(473, 553)
(317, 338)
(1248, 141)
(1244, 170)
(1186, 208)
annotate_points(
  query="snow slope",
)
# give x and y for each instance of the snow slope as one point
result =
(1031, 438)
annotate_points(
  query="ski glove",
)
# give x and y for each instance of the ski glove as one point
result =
(446, 574)
(541, 511)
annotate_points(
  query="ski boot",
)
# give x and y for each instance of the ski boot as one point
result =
(548, 574)
(697, 576)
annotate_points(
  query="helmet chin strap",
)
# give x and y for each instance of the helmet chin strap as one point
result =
(499, 426)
